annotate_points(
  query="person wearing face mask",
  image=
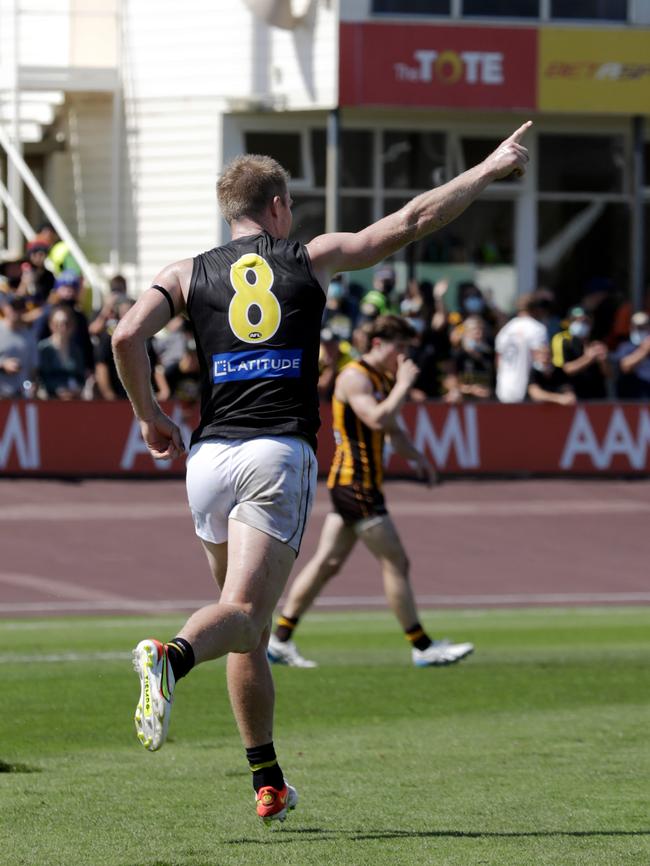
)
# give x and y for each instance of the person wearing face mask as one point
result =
(474, 362)
(632, 359)
(585, 361)
(472, 301)
(547, 383)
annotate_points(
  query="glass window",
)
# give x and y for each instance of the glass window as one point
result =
(605, 10)
(357, 158)
(308, 217)
(583, 248)
(581, 163)
(286, 147)
(411, 7)
(482, 235)
(509, 8)
(356, 213)
(413, 160)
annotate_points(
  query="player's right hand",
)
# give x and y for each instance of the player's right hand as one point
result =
(162, 437)
(510, 157)
(407, 371)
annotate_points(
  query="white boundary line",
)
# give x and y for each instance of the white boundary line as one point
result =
(352, 601)
(130, 511)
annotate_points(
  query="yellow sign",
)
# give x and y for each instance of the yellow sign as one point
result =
(595, 71)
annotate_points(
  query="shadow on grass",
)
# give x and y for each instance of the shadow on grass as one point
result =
(8, 767)
(284, 836)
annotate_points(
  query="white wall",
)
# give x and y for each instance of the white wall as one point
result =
(185, 67)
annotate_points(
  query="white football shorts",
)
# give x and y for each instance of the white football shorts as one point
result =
(265, 482)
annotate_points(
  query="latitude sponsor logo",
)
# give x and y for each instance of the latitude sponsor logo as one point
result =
(264, 364)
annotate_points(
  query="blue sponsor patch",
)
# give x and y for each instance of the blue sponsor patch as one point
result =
(256, 364)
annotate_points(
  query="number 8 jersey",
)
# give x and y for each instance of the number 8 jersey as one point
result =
(256, 307)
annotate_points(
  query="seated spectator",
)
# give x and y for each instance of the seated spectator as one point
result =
(169, 344)
(473, 362)
(633, 361)
(549, 384)
(61, 369)
(473, 302)
(584, 361)
(334, 354)
(67, 289)
(18, 355)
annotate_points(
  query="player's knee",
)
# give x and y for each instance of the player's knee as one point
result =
(400, 566)
(330, 567)
(249, 632)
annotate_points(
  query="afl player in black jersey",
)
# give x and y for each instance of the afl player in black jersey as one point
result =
(255, 305)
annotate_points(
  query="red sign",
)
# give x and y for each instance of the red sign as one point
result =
(95, 438)
(442, 67)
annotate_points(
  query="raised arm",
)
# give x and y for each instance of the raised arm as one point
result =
(339, 251)
(357, 390)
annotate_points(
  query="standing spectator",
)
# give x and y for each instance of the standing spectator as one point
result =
(18, 356)
(183, 377)
(106, 318)
(515, 345)
(60, 362)
(107, 380)
(379, 300)
(633, 360)
(474, 362)
(338, 314)
(584, 361)
(548, 383)
(36, 281)
(333, 355)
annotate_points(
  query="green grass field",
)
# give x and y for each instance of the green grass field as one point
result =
(534, 751)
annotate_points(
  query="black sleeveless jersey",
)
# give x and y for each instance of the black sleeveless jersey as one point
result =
(256, 309)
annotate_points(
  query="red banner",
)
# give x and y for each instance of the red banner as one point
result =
(84, 439)
(433, 66)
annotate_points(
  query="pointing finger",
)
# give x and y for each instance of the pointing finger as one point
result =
(518, 134)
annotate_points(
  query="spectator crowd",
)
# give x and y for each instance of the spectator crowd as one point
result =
(53, 347)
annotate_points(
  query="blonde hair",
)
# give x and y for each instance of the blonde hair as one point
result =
(249, 184)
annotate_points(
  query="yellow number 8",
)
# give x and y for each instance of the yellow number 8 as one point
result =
(251, 278)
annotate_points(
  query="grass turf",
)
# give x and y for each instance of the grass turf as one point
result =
(534, 751)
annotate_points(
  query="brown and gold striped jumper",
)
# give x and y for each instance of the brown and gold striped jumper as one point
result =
(357, 471)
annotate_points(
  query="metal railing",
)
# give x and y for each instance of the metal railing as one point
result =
(50, 212)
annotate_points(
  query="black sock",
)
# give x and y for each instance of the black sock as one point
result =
(418, 637)
(284, 627)
(264, 767)
(181, 657)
